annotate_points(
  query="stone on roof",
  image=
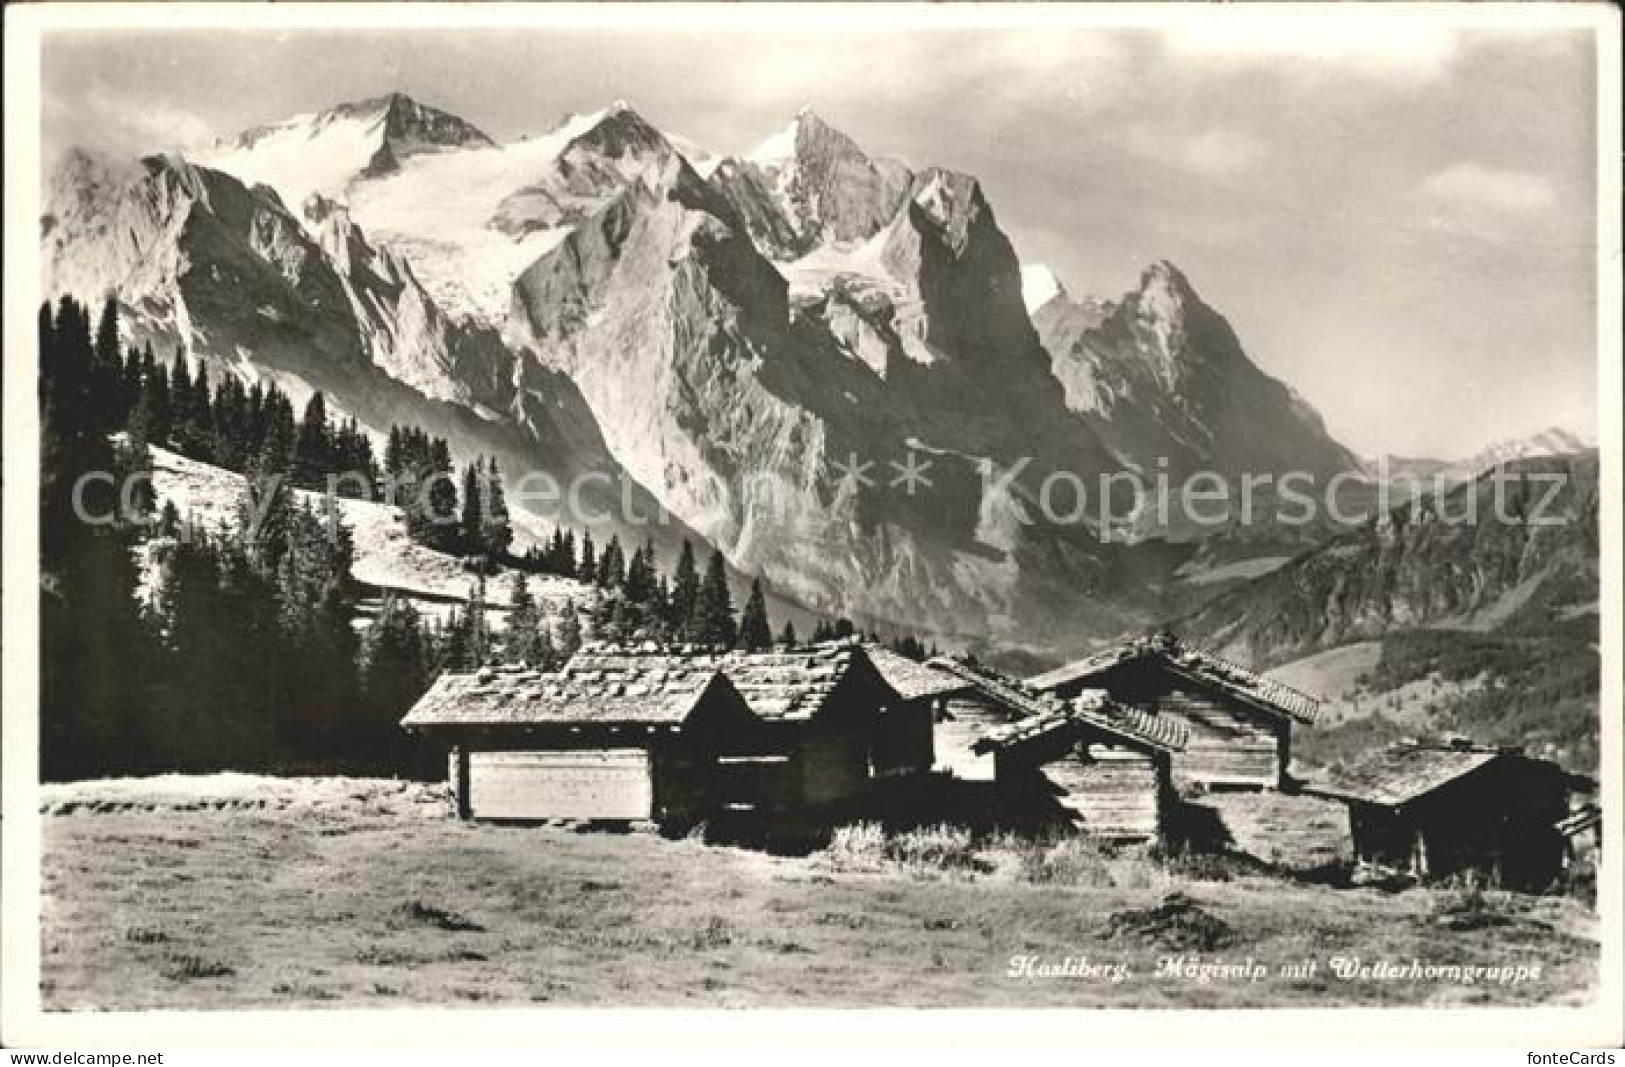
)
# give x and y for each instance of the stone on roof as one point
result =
(639, 684)
(1403, 772)
(911, 680)
(1256, 689)
(1093, 708)
(519, 697)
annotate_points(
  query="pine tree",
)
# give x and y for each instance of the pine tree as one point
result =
(498, 529)
(713, 623)
(395, 668)
(523, 643)
(432, 516)
(265, 521)
(457, 643)
(755, 633)
(312, 447)
(569, 632)
(134, 469)
(685, 595)
(587, 571)
(473, 521)
(640, 575)
(787, 636)
(106, 370)
(612, 565)
(94, 648)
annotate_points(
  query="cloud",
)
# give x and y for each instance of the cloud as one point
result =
(103, 118)
(1329, 42)
(1220, 152)
(1471, 187)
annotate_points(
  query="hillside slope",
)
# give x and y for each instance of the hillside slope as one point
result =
(1420, 623)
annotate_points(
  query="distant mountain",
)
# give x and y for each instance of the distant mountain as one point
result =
(1423, 624)
(1429, 474)
(1528, 563)
(1039, 286)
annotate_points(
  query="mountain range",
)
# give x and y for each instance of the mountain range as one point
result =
(760, 345)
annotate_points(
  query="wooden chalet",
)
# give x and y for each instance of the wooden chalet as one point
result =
(1092, 764)
(1239, 723)
(673, 737)
(1433, 810)
(636, 744)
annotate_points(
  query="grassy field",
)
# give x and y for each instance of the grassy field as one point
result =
(239, 892)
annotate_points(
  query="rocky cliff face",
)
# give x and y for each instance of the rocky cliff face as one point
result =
(811, 186)
(767, 348)
(229, 276)
(1160, 373)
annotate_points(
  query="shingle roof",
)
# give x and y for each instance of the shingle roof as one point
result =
(493, 696)
(1092, 708)
(1012, 693)
(1043, 712)
(1402, 772)
(616, 683)
(912, 680)
(791, 684)
(1256, 689)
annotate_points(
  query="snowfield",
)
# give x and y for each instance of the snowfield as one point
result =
(385, 556)
(436, 210)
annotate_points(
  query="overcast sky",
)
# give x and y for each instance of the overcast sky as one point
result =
(1398, 221)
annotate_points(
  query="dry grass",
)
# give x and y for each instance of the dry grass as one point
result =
(239, 907)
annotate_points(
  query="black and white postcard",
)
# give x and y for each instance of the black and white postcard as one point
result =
(1089, 507)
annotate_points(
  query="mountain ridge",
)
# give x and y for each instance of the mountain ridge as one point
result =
(725, 339)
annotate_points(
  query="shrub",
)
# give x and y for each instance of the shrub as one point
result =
(180, 968)
(1073, 861)
(1460, 903)
(145, 935)
(858, 847)
(714, 932)
(934, 848)
(441, 918)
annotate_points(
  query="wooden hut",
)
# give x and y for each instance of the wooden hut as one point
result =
(1239, 723)
(1091, 764)
(1432, 810)
(828, 726)
(631, 745)
(673, 736)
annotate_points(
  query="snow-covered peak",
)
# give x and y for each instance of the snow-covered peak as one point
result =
(1039, 286)
(1163, 294)
(1552, 441)
(777, 148)
(704, 161)
(324, 152)
(807, 136)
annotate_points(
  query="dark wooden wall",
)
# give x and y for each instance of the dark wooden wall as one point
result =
(1497, 822)
(903, 740)
(1088, 784)
(1230, 743)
